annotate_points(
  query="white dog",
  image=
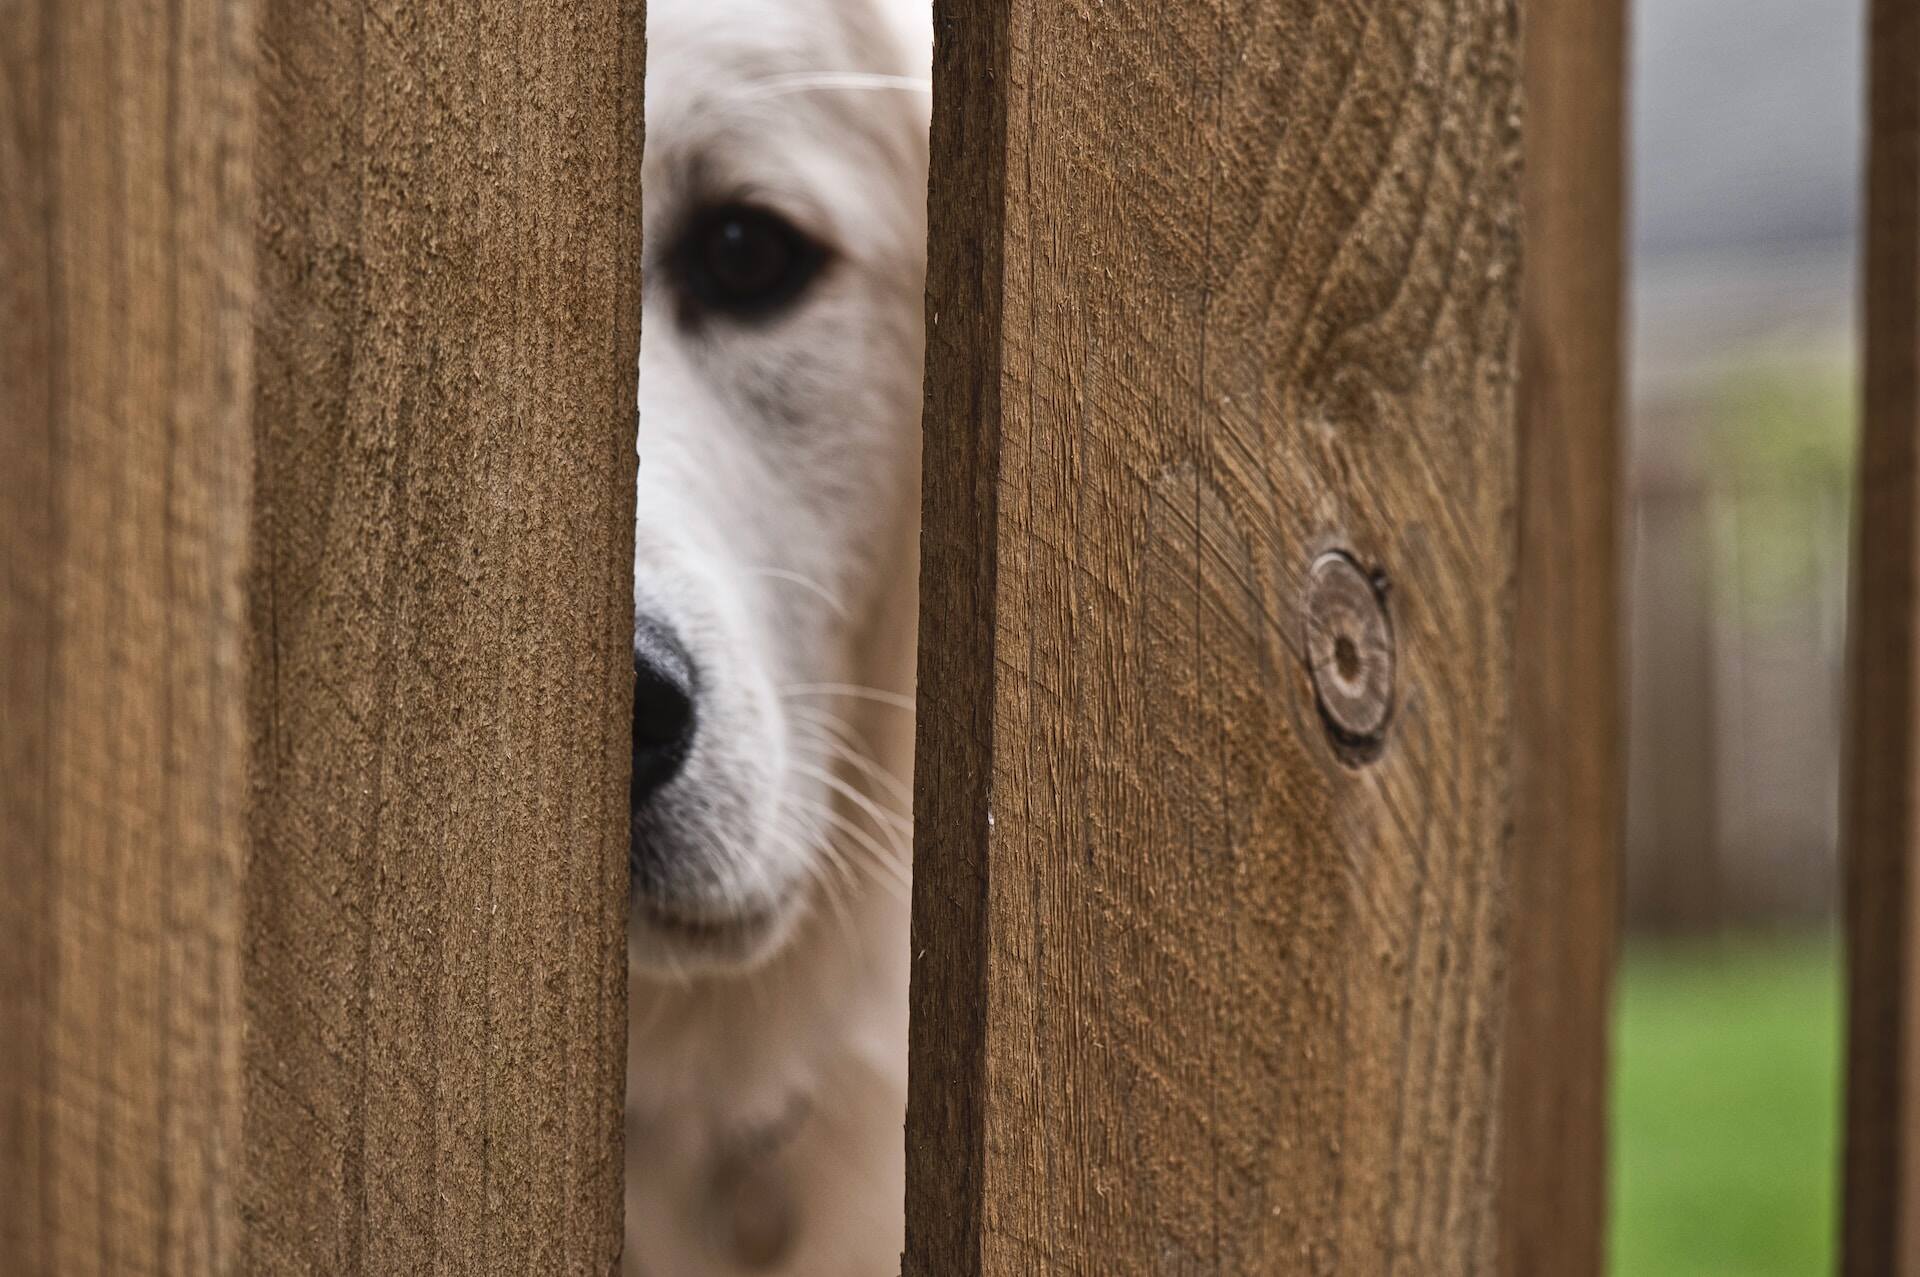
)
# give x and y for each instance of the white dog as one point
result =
(775, 594)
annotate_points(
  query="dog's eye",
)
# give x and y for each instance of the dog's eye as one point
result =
(746, 261)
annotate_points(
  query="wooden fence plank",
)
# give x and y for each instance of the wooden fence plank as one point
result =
(1882, 1225)
(1568, 757)
(124, 373)
(442, 635)
(1212, 772)
(409, 1000)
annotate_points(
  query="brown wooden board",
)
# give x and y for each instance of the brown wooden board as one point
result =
(125, 295)
(441, 623)
(1210, 904)
(400, 307)
(1568, 759)
(1881, 1236)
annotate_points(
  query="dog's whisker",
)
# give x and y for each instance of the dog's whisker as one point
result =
(831, 887)
(892, 885)
(879, 846)
(839, 888)
(844, 879)
(847, 749)
(879, 695)
(882, 815)
(884, 819)
(802, 832)
(888, 858)
(676, 973)
(828, 726)
(878, 858)
(898, 800)
(774, 86)
(833, 878)
(827, 718)
(647, 1023)
(805, 582)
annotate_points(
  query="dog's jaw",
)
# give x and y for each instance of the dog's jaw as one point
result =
(808, 1048)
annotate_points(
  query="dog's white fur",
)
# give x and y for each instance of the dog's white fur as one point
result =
(776, 535)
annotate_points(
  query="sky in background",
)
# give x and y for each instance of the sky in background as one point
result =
(1746, 123)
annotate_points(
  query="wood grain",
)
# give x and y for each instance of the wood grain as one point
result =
(1881, 1233)
(441, 636)
(1214, 290)
(1568, 701)
(125, 301)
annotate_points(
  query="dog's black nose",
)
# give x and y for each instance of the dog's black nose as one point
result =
(663, 709)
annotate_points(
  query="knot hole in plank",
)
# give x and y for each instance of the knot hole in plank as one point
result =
(1350, 654)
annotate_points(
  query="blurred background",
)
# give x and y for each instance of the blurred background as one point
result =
(1746, 160)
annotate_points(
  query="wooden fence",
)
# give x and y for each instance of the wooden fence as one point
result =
(319, 371)
(1268, 781)
(1882, 1173)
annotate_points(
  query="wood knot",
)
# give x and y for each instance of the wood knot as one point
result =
(1350, 654)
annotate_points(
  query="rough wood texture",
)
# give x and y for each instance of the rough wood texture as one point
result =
(124, 382)
(1214, 290)
(1881, 1235)
(442, 612)
(1568, 760)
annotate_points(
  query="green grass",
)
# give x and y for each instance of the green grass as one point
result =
(1726, 1108)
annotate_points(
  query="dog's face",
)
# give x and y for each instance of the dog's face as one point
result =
(780, 376)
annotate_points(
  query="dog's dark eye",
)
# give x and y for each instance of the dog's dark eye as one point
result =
(746, 261)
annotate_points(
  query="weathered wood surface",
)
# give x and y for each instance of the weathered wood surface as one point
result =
(1568, 701)
(125, 311)
(442, 613)
(1881, 1235)
(391, 1037)
(1217, 295)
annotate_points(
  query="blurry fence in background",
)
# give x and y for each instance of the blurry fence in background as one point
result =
(1738, 516)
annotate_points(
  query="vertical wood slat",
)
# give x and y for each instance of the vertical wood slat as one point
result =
(1881, 1233)
(1217, 295)
(1568, 758)
(386, 581)
(442, 660)
(125, 298)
